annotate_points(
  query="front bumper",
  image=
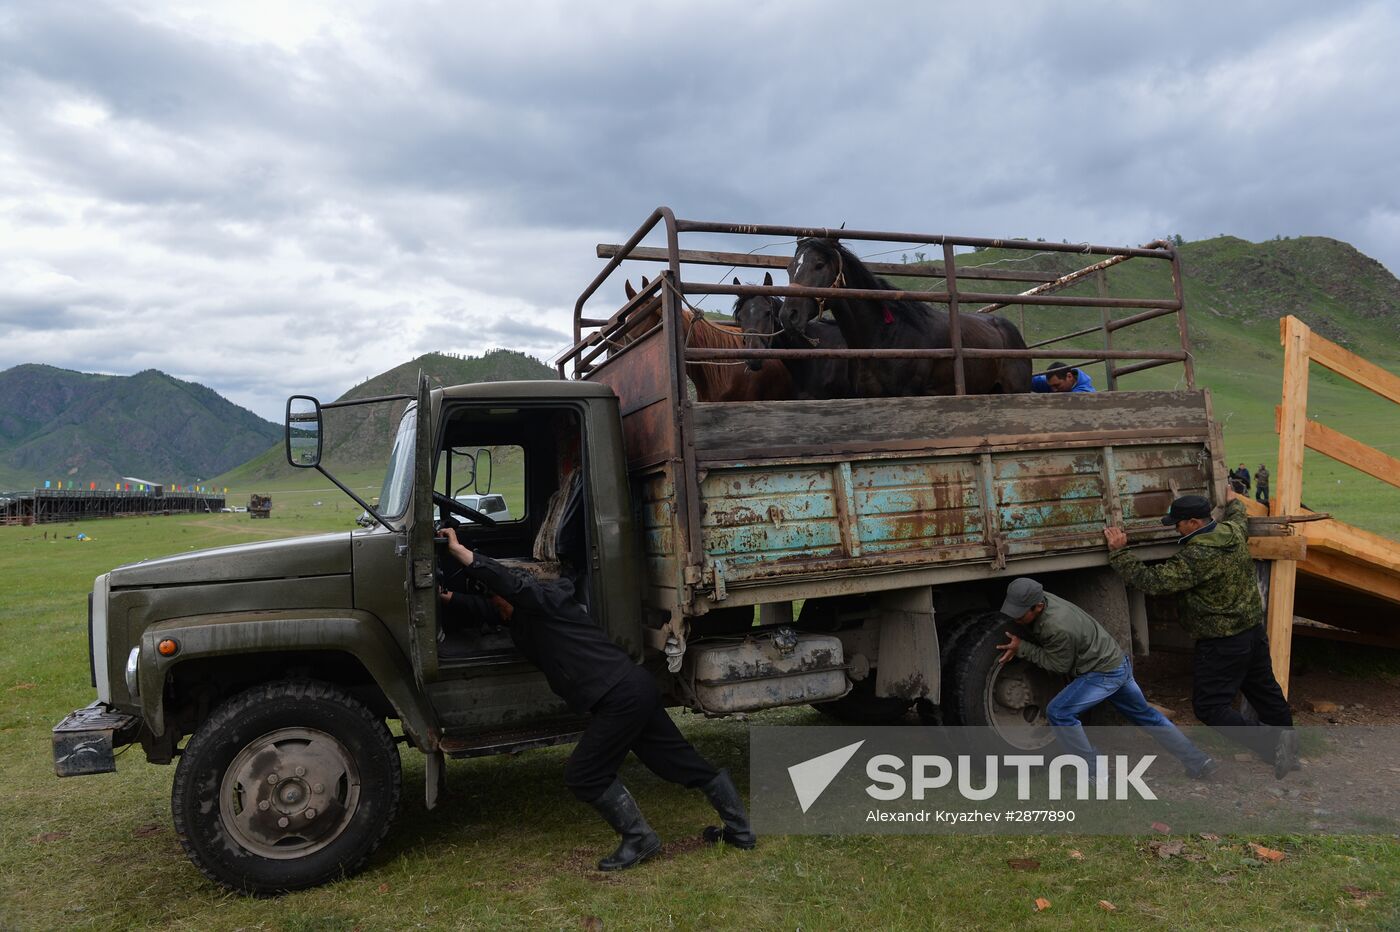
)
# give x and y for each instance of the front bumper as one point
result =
(85, 741)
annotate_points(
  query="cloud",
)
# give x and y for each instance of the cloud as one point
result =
(270, 198)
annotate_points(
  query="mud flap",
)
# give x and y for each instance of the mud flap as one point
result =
(85, 741)
(908, 665)
(434, 779)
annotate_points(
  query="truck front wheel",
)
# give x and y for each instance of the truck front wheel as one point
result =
(286, 786)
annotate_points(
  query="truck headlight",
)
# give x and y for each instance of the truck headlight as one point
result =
(132, 659)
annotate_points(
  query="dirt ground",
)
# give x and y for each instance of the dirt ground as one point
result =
(1332, 683)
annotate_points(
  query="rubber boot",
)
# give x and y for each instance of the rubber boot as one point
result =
(724, 796)
(639, 842)
(1286, 753)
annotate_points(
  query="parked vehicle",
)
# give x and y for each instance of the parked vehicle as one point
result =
(493, 506)
(894, 522)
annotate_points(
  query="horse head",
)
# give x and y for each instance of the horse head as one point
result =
(757, 316)
(817, 263)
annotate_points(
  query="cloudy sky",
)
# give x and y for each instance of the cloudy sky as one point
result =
(270, 197)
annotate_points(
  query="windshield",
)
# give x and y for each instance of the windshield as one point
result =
(393, 498)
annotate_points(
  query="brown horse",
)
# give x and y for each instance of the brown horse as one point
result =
(716, 379)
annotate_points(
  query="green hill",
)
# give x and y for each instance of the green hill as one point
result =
(1236, 292)
(357, 439)
(76, 427)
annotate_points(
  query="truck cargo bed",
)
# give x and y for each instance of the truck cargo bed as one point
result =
(805, 498)
(750, 502)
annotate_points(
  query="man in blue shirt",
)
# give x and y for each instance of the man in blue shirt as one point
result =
(1061, 378)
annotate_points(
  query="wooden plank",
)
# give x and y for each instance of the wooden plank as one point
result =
(1343, 571)
(1354, 637)
(1352, 452)
(1288, 494)
(1361, 545)
(1349, 365)
(1278, 548)
(858, 423)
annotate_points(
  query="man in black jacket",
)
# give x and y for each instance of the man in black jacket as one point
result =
(593, 675)
(1239, 479)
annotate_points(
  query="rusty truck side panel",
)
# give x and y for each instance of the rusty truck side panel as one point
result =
(837, 495)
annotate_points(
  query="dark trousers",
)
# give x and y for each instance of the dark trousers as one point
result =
(631, 717)
(1240, 663)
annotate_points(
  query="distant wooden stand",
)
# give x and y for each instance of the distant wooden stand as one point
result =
(1343, 576)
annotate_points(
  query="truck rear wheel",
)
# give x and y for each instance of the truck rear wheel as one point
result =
(286, 786)
(1009, 698)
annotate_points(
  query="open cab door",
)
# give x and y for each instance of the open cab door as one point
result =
(421, 584)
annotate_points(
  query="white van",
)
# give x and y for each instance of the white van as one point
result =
(492, 506)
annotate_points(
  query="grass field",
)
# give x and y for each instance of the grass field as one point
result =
(511, 849)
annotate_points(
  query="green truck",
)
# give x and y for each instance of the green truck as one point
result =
(845, 554)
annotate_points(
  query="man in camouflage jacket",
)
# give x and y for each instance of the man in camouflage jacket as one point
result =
(1219, 605)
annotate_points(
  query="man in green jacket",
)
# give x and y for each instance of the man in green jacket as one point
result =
(1219, 605)
(1063, 638)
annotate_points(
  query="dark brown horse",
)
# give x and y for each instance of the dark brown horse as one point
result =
(717, 379)
(875, 324)
(812, 377)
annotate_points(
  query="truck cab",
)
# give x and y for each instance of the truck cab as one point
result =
(360, 615)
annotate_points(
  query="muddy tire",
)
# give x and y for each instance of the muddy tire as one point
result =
(950, 638)
(861, 706)
(1009, 698)
(286, 786)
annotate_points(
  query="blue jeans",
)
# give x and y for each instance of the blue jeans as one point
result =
(1089, 689)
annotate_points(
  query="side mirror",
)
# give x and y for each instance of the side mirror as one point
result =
(483, 468)
(303, 437)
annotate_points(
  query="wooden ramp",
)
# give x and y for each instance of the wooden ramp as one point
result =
(1342, 576)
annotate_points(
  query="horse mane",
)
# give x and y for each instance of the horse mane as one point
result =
(721, 380)
(773, 303)
(700, 331)
(860, 277)
(706, 334)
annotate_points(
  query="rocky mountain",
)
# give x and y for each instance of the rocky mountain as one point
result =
(76, 427)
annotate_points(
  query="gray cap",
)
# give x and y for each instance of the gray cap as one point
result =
(1021, 596)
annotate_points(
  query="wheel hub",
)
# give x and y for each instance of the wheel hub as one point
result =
(291, 795)
(1013, 692)
(289, 792)
(1015, 708)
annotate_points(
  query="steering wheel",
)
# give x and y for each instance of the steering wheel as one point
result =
(457, 508)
